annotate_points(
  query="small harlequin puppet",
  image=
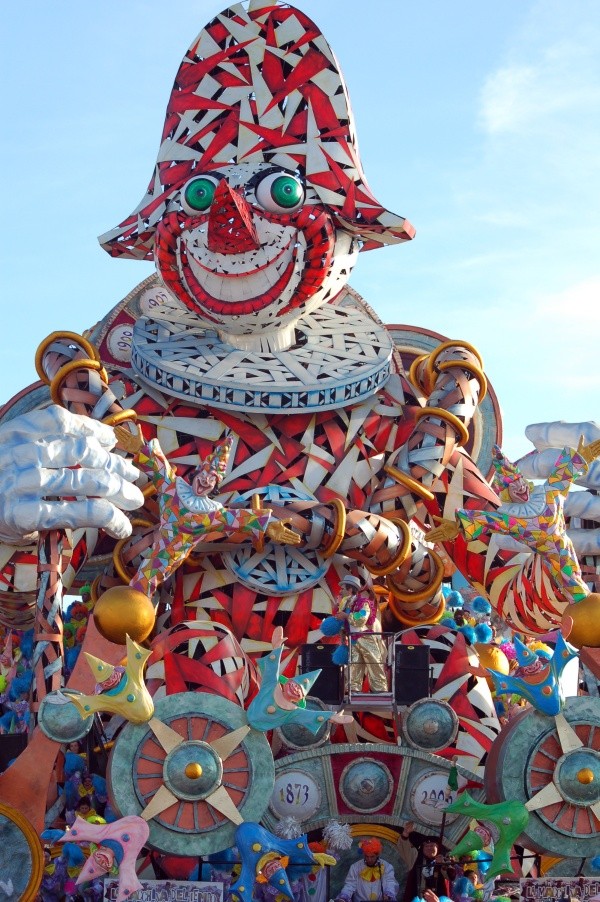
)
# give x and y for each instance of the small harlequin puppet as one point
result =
(281, 700)
(537, 677)
(187, 514)
(265, 858)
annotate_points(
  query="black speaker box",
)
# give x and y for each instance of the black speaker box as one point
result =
(411, 673)
(11, 746)
(329, 685)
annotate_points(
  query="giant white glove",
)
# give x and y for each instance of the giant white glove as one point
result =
(549, 440)
(38, 452)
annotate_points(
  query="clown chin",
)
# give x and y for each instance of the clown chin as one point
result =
(280, 333)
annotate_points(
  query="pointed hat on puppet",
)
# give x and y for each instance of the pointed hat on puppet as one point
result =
(506, 471)
(216, 462)
(101, 670)
(260, 84)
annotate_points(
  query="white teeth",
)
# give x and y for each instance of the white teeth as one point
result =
(255, 272)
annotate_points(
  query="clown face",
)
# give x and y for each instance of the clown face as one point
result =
(518, 490)
(249, 249)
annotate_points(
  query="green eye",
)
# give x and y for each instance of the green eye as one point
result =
(278, 192)
(198, 194)
(286, 191)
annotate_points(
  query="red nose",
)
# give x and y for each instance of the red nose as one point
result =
(231, 228)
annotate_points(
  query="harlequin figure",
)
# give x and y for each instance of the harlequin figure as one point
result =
(187, 514)
(281, 700)
(534, 517)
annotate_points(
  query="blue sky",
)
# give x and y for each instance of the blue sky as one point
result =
(478, 121)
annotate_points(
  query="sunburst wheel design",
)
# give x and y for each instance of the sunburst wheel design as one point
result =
(560, 782)
(194, 772)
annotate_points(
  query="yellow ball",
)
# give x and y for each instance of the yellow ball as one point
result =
(585, 616)
(122, 611)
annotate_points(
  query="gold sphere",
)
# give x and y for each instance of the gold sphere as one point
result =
(586, 622)
(193, 770)
(585, 775)
(122, 611)
(493, 657)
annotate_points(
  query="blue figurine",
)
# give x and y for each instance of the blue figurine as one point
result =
(265, 858)
(281, 700)
(537, 678)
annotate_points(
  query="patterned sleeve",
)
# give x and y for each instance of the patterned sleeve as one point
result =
(567, 468)
(151, 460)
(233, 524)
(476, 523)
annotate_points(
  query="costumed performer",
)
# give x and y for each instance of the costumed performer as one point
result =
(369, 878)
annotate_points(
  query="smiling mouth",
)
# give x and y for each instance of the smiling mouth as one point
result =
(218, 281)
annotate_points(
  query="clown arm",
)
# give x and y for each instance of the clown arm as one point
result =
(152, 461)
(567, 468)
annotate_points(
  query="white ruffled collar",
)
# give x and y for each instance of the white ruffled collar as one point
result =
(200, 504)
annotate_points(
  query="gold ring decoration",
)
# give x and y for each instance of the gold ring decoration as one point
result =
(409, 483)
(410, 621)
(30, 893)
(450, 418)
(339, 530)
(428, 590)
(94, 588)
(122, 416)
(74, 338)
(118, 564)
(149, 490)
(471, 368)
(430, 367)
(413, 374)
(259, 542)
(86, 363)
(403, 553)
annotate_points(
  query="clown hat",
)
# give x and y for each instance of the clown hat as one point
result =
(101, 670)
(506, 471)
(216, 462)
(260, 85)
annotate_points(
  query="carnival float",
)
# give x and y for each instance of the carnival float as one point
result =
(315, 602)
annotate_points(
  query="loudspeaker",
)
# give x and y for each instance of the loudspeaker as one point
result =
(411, 673)
(328, 686)
(11, 746)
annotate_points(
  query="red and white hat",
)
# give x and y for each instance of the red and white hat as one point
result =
(261, 85)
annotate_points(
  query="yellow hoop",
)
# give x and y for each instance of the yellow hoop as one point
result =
(339, 530)
(409, 483)
(86, 363)
(35, 847)
(87, 346)
(462, 345)
(118, 564)
(472, 368)
(427, 591)
(450, 418)
(413, 374)
(409, 621)
(402, 554)
(122, 416)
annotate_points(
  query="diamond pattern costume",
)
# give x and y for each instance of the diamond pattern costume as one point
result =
(185, 520)
(540, 524)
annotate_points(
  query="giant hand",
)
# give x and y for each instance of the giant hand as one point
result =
(549, 439)
(57, 471)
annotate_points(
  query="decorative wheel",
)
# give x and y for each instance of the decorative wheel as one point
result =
(278, 569)
(194, 772)
(560, 783)
(21, 857)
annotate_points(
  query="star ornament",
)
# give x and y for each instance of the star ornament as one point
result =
(125, 693)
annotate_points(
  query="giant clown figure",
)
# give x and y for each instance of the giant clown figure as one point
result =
(255, 214)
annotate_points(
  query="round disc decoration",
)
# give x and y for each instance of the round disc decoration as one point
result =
(21, 855)
(278, 569)
(295, 736)
(430, 725)
(366, 785)
(194, 772)
(560, 782)
(60, 720)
